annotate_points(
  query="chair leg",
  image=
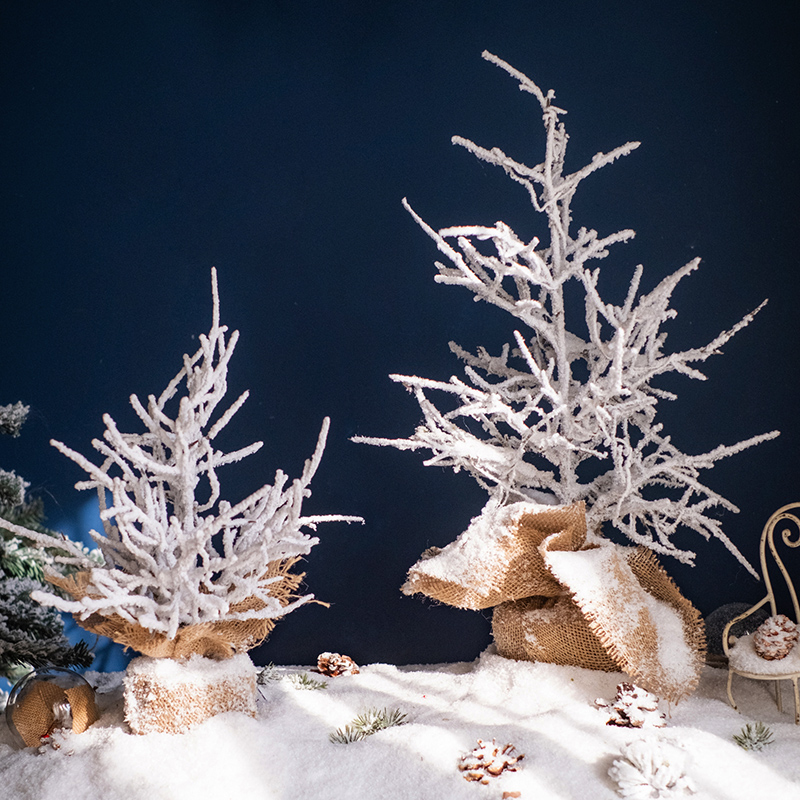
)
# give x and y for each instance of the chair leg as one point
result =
(778, 698)
(796, 703)
(730, 694)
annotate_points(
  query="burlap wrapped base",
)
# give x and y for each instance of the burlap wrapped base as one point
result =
(171, 695)
(621, 612)
(210, 639)
(562, 600)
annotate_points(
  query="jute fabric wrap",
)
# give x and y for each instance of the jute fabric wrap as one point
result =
(624, 615)
(210, 639)
(513, 568)
(562, 600)
(173, 696)
(34, 716)
(550, 629)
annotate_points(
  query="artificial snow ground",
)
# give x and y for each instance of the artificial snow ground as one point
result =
(546, 711)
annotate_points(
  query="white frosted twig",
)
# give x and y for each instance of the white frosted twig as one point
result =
(175, 554)
(528, 419)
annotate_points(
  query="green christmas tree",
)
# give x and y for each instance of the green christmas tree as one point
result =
(30, 634)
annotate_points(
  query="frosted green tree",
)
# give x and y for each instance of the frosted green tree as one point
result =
(30, 635)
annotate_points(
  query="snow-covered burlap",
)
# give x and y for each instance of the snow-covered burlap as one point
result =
(34, 715)
(497, 558)
(563, 600)
(210, 639)
(620, 611)
(171, 696)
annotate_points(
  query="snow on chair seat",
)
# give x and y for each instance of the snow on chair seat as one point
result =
(744, 658)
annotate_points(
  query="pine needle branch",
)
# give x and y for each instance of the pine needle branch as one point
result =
(754, 736)
(367, 723)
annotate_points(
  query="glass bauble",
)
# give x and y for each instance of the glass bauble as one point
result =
(48, 699)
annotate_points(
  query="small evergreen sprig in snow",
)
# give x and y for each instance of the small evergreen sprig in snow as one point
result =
(302, 680)
(754, 736)
(567, 411)
(299, 680)
(175, 553)
(268, 674)
(371, 721)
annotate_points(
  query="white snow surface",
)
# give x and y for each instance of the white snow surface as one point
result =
(196, 670)
(546, 711)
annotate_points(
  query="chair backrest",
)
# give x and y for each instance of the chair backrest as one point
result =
(790, 535)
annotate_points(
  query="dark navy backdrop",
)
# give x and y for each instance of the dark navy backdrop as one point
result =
(144, 142)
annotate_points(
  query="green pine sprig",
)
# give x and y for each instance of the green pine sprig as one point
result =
(302, 680)
(267, 674)
(298, 680)
(371, 721)
(754, 737)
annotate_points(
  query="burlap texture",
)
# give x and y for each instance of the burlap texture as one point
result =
(33, 716)
(561, 600)
(506, 564)
(548, 629)
(210, 639)
(156, 703)
(607, 624)
(652, 576)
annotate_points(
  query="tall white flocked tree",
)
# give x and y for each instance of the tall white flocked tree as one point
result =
(176, 554)
(567, 412)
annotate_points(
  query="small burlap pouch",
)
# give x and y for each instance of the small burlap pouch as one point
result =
(210, 639)
(34, 716)
(630, 609)
(497, 558)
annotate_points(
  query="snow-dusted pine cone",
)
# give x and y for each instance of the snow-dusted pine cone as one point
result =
(775, 637)
(488, 760)
(334, 664)
(651, 769)
(633, 707)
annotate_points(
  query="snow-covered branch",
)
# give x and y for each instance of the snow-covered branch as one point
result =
(175, 554)
(568, 408)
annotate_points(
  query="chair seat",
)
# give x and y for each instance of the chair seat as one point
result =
(743, 658)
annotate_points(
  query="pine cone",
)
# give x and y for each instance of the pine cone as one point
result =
(775, 637)
(488, 760)
(333, 664)
(633, 707)
(650, 768)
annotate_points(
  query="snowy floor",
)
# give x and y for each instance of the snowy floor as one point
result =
(546, 711)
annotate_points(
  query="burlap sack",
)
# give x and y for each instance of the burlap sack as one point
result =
(34, 715)
(497, 559)
(210, 639)
(621, 603)
(561, 600)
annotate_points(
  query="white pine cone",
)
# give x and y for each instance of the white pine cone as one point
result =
(651, 769)
(775, 637)
(333, 664)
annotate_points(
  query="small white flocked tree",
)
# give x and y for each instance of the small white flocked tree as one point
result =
(175, 553)
(567, 412)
